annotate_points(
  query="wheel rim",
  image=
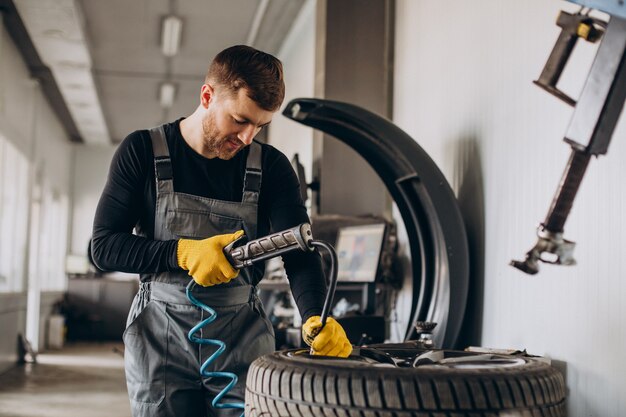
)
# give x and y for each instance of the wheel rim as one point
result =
(416, 358)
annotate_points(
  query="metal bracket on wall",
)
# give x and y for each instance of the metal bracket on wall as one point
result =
(573, 27)
(589, 133)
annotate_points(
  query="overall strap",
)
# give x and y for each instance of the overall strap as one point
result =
(163, 172)
(254, 174)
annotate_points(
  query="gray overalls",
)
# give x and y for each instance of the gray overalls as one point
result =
(162, 365)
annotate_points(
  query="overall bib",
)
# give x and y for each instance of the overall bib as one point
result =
(162, 365)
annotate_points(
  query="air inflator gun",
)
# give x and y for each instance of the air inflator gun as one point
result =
(261, 249)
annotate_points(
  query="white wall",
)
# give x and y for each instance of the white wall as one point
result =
(463, 79)
(28, 122)
(298, 56)
(91, 167)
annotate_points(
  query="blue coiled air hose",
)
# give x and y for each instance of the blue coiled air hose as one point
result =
(221, 348)
(296, 238)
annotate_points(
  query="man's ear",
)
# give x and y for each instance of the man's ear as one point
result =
(207, 94)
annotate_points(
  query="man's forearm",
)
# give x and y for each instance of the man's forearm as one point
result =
(307, 282)
(125, 252)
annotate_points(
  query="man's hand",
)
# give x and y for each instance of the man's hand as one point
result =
(205, 259)
(330, 341)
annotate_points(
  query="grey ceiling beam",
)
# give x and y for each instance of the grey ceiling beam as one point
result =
(38, 70)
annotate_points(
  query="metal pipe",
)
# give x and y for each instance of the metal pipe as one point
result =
(330, 294)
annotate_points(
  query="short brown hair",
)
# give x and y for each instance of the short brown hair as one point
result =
(242, 66)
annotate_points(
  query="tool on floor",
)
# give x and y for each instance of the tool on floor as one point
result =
(261, 249)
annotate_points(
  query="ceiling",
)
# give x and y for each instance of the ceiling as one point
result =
(106, 59)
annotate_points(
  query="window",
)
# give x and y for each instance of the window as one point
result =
(52, 240)
(13, 217)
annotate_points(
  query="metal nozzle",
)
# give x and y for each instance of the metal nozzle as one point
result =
(558, 250)
(424, 331)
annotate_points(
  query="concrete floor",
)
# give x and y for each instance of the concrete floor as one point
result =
(77, 381)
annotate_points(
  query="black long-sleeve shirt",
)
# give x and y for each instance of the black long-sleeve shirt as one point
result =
(129, 199)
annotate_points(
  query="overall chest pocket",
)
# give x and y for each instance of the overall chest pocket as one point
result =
(200, 224)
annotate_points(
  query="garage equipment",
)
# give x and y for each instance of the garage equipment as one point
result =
(261, 249)
(435, 229)
(593, 122)
(404, 379)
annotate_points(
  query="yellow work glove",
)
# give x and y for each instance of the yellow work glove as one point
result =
(331, 341)
(205, 259)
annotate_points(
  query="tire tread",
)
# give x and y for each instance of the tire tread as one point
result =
(274, 389)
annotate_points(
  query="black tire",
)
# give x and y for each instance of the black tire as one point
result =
(283, 384)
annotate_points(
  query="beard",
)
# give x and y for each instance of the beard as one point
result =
(224, 147)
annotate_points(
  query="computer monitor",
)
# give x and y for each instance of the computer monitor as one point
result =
(358, 252)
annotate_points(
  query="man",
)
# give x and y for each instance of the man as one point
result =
(189, 188)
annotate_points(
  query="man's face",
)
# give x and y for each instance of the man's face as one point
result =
(231, 122)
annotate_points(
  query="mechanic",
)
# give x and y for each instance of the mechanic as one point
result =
(189, 188)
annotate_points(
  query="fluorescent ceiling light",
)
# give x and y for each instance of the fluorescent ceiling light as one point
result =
(167, 93)
(171, 30)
